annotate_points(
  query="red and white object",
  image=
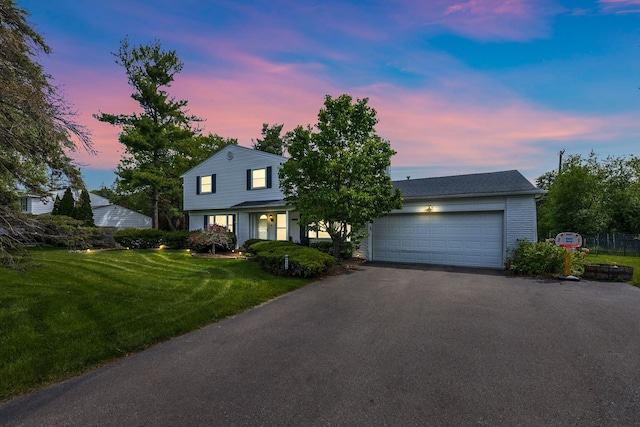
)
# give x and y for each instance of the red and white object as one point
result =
(569, 240)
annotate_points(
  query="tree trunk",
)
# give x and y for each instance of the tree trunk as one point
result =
(154, 209)
(337, 246)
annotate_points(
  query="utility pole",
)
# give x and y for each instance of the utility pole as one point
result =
(560, 161)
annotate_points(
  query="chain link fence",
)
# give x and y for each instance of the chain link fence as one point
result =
(614, 244)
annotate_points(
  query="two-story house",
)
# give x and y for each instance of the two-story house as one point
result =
(466, 220)
(238, 188)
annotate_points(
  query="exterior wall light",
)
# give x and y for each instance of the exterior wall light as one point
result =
(429, 209)
(271, 217)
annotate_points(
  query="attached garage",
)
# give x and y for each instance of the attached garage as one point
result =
(461, 239)
(464, 220)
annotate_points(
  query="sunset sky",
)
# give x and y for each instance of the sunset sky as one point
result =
(459, 86)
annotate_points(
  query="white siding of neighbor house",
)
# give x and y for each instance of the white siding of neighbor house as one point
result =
(119, 217)
(39, 206)
(105, 214)
(231, 179)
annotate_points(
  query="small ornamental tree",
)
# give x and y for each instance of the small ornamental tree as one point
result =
(337, 173)
(212, 236)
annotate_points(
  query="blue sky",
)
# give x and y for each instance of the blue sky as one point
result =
(459, 86)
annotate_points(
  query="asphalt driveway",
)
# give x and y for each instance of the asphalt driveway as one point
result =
(381, 346)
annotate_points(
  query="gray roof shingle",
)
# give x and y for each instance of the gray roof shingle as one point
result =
(492, 183)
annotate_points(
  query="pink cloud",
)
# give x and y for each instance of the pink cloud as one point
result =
(464, 122)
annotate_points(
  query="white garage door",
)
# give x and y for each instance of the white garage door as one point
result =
(461, 239)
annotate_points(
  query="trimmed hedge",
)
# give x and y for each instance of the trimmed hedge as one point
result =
(303, 261)
(134, 238)
(327, 247)
(249, 242)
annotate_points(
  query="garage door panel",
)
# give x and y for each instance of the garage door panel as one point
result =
(464, 239)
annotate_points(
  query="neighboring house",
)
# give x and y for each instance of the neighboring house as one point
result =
(466, 220)
(105, 213)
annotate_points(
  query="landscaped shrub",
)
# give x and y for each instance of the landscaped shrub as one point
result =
(327, 247)
(213, 238)
(302, 261)
(176, 239)
(65, 232)
(249, 242)
(541, 258)
(134, 238)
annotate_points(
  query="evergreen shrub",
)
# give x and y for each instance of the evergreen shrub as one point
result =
(303, 261)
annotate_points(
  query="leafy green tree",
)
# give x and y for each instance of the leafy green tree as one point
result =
(271, 141)
(592, 196)
(37, 126)
(83, 210)
(337, 173)
(154, 137)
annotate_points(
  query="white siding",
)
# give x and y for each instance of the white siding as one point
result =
(119, 217)
(231, 179)
(38, 206)
(520, 217)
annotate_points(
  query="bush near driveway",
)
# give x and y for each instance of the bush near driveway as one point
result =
(541, 259)
(303, 261)
(78, 310)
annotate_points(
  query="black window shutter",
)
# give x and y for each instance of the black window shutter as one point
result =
(269, 176)
(197, 185)
(206, 217)
(248, 179)
(213, 183)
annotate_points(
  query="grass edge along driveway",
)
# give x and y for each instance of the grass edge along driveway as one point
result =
(78, 310)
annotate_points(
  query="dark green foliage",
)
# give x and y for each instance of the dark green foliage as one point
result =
(66, 232)
(162, 142)
(134, 238)
(249, 242)
(541, 259)
(56, 206)
(303, 261)
(272, 142)
(337, 172)
(327, 247)
(591, 196)
(37, 126)
(67, 204)
(176, 239)
(83, 211)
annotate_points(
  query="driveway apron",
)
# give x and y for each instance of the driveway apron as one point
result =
(380, 346)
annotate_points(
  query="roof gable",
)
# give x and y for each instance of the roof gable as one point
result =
(233, 150)
(492, 183)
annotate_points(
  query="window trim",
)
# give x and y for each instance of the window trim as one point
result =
(199, 184)
(268, 183)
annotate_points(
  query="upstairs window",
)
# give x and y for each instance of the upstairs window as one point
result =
(24, 204)
(259, 178)
(206, 184)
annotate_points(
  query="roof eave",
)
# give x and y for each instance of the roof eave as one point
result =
(534, 192)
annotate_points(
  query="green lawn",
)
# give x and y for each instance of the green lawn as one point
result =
(629, 261)
(78, 310)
